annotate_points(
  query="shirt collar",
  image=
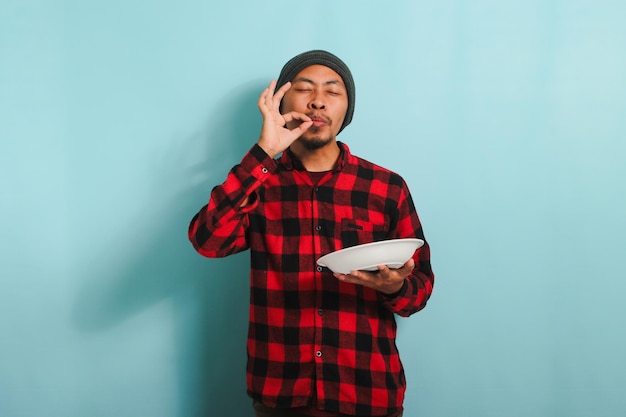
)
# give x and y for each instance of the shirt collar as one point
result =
(289, 160)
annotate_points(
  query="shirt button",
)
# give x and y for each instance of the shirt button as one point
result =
(318, 353)
(320, 312)
(318, 227)
(264, 170)
(319, 269)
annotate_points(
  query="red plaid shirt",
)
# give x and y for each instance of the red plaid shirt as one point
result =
(314, 340)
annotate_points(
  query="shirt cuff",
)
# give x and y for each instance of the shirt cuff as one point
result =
(398, 293)
(258, 163)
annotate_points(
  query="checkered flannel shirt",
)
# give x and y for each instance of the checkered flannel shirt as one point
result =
(314, 340)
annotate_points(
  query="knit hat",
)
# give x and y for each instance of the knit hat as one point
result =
(319, 57)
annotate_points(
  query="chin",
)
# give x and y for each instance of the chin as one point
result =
(314, 143)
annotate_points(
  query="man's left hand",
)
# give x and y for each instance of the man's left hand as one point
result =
(387, 281)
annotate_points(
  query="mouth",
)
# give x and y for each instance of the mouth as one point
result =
(319, 121)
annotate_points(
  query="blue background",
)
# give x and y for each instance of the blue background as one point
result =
(506, 119)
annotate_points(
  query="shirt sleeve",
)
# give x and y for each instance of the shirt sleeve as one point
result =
(418, 286)
(219, 228)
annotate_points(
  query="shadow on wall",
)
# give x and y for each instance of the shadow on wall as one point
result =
(209, 296)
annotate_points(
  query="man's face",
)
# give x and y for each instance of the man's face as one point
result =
(318, 92)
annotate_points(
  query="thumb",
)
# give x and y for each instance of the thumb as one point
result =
(303, 127)
(409, 265)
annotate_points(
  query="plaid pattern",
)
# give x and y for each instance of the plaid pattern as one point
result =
(314, 340)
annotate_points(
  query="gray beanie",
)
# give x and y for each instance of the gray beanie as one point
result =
(319, 57)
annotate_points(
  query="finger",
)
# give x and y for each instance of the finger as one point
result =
(292, 115)
(346, 277)
(266, 95)
(267, 92)
(304, 126)
(270, 94)
(359, 277)
(408, 267)
(391, 274)
(278, 96)
(261, 103)
(363, 278)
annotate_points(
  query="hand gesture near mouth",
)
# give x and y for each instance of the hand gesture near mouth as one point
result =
(275, 136)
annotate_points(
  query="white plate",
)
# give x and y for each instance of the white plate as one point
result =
(394, 253)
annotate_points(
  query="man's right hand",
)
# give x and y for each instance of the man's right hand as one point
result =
(275, 136)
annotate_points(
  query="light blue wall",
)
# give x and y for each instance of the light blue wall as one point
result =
(506, 118)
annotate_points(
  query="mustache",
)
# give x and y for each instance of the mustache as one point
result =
(317, 116)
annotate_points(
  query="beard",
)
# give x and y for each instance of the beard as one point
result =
(314, 143)
(311, 140)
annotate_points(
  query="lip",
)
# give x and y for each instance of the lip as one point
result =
(319, 121)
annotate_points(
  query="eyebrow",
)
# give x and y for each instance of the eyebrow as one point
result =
(308, 80)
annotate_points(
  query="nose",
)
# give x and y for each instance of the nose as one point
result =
(317, 103)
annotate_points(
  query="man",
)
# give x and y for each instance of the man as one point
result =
(319, 343)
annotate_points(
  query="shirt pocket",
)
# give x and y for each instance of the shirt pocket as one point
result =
(357, 232)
